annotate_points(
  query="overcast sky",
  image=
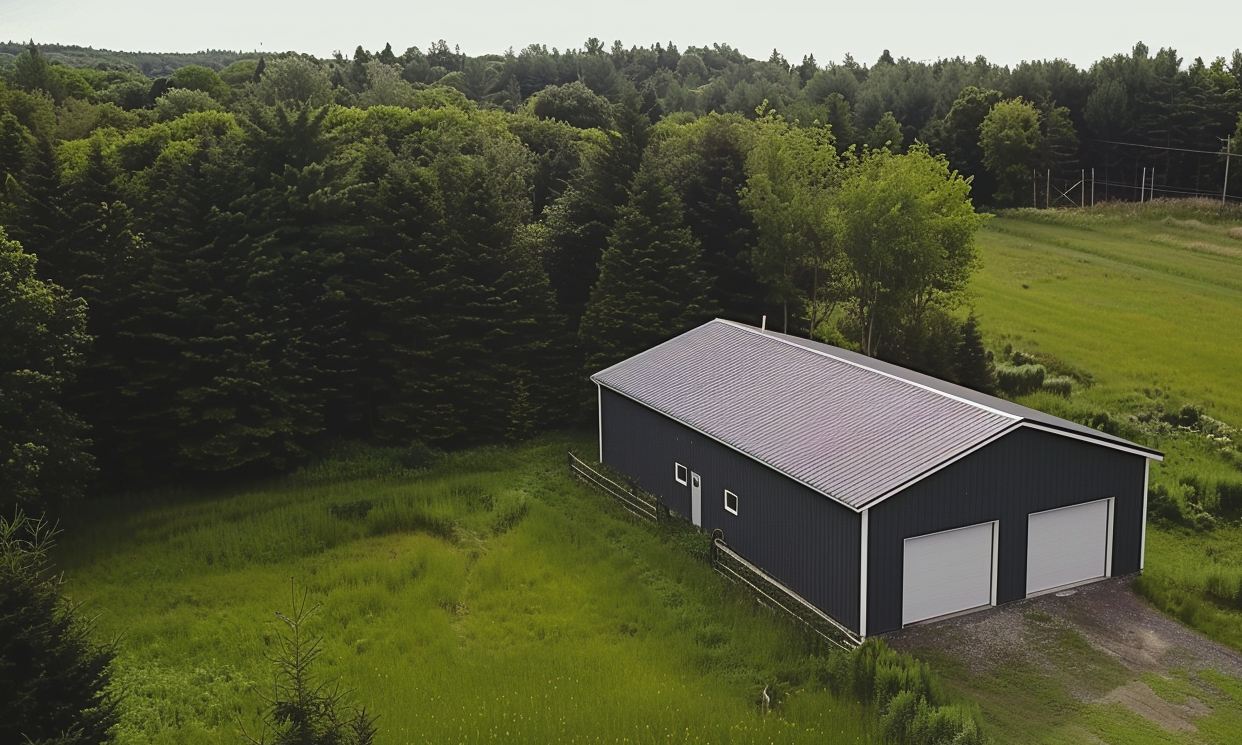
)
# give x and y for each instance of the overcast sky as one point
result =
(1004, 32)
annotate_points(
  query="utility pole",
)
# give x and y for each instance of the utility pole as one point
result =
(1143, 185)
(1082, 189)
(1092, 186)
(1224, 189)
(1047, 188)
(1034, 198)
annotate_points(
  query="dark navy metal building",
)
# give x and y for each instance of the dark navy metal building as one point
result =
(883, 496)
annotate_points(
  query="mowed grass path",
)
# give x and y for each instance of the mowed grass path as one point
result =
(1140, 303)
(489, 599)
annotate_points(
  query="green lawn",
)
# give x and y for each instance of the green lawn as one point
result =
(489, 599)
(1148, 300)
(1143, 303)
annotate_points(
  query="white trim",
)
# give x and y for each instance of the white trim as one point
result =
(599, 398)
(1106, 443)
(1143, 544)
(861, 366)
(679, 468)
(727, 494)
(995, 557)
(940, 466)
(862, 578)
(1108, 548)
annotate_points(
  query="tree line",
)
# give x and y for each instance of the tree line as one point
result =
(1125, 112)
(216, 272)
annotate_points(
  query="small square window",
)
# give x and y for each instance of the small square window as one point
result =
(730, 502)
(679, 473)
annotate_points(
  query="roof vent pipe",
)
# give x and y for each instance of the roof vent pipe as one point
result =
(764, 327)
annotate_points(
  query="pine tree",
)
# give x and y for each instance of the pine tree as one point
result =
(973, 367)
(53, 678)
(304, 710)
(651, 285)
(580, 221)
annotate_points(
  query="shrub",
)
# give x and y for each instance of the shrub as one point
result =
(1168, 505)
(1019, 380)
(355, 510)
(420, 455)
(1229, 498)
(1061, 385)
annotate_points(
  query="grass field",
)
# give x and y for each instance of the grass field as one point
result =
(488, 599)
(491, 599)
(1147, 301)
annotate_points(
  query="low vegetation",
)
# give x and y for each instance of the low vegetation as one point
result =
(484, 597)
(1139, 298)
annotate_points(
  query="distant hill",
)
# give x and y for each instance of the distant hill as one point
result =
(151, 64)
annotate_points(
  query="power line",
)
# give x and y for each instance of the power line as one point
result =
(1163, 147)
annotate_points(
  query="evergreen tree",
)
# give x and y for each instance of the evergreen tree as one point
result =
(580, 221)
(304, 710)
(53, 678)
(973, 366)
(705, 164)
(651, 284)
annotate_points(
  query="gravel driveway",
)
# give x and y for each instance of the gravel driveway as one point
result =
(1109, 617)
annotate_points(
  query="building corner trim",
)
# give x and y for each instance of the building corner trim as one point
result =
(862, 574)
(1143, 540)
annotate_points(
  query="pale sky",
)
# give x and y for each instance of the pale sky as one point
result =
(1004, 32)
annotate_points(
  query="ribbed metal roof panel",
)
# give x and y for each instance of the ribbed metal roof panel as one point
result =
(849, 431)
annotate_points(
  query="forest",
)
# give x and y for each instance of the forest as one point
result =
(216, 264)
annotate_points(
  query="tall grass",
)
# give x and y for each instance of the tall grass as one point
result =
(484, 597)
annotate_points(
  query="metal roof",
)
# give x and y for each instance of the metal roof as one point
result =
(849, 426)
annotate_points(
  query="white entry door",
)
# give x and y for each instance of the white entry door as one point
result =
(1067, 545)
(696, 499)
(947, 572)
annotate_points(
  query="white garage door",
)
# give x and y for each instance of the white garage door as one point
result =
(1067, 545)
(947, 572)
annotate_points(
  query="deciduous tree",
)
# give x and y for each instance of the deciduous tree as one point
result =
(1010, 138)
(43, 455)
(906, 227)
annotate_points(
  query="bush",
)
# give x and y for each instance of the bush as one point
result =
(1229, 498)
(1167, 505)
(1019, 380)
(1060, 385)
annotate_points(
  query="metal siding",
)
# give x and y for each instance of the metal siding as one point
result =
(802, 538)
(1023, 472)
(841, 428)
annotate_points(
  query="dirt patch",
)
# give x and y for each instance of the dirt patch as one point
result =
(1108, 615)
(1097, 640)
(1139, 698)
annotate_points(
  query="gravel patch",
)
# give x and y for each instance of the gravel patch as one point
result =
(1110, 617)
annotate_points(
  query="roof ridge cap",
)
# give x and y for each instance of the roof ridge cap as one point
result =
(793, 343)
